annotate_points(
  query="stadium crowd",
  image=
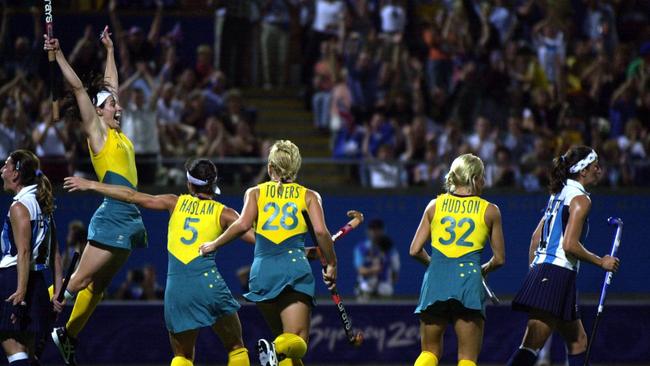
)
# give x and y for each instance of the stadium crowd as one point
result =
(404, 86)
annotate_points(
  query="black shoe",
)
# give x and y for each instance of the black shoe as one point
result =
(66, 345)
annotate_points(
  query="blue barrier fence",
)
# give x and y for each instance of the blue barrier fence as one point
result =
(135, 333)
(401, 214)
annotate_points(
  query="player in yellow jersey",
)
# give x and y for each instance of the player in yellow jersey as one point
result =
(459, 223)
(116, 227)
(195, 218)
(281, 282)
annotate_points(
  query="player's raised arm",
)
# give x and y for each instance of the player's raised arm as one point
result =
(90, 123)
(110, 73)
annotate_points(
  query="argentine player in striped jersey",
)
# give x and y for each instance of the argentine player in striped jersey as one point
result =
(196, 295)
(548, 294)
(28, 247)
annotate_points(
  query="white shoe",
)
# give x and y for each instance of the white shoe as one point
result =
(266, 352)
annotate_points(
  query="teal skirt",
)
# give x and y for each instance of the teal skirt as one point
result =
(278, 267)
(117, 224)
(197, 296)
(452, 280)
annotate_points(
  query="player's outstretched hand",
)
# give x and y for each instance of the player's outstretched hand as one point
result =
(105, 37)
(76, 184)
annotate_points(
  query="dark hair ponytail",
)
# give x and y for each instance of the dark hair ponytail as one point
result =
(561, 165)
(29, 169)
(204, 170)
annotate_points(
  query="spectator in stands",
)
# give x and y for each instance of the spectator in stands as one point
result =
(204, 64)
(237, 112)
(212, 143)
(385, 171)
(329, 15)
(341, 103)
(85, 56)
(432, 170)
(75, 241)
(324, 72)
(379, 132)
(214, 93)
(50, 140)
(376, 262)
(393, 16)
(169, 111)
(348, 141)
(140, 284)
(274, 41)
(13, 134)
(24, 56)
(502, 172)
(139, 120)
(482, 140)
(133, 46)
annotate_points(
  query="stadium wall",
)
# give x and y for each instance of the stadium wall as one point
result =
(119, 334)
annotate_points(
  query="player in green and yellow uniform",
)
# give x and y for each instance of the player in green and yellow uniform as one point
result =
(116, 227)
(459, 224)
(281, 282)
(195, 218)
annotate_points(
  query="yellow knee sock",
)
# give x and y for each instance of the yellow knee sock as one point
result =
(426, 358)
(290, 345)
(466, 363)
(238, 357)
(291, 362)
(83, 308)
(181, 361)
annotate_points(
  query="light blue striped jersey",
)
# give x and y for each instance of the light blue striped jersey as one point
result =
(556, 218)
(41, 230)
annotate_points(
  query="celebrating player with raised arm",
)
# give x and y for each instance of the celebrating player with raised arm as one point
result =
(196, 295)
(116, 227)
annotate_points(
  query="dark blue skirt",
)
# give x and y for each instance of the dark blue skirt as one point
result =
(38, 313)
(551, 289)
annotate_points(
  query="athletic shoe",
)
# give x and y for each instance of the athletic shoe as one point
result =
(266, 352)
(66, 345)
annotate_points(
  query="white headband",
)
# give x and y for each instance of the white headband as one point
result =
(584, 162)
(101, 97)
(200, 182)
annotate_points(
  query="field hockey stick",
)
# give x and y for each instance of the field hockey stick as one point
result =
(51, 57)
(608, 279)
(313, 253)
(353, 339)
(68, 275)
(495, 300)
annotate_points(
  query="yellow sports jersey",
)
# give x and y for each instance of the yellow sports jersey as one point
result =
(115, 163)
(458, 226)
(193, 222)
(279, 211)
